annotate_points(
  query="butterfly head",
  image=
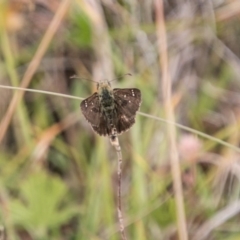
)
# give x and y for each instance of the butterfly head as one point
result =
(104, 87)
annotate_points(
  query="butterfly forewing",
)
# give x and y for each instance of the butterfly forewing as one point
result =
(127, 102)
(91, 109)
(129, 99)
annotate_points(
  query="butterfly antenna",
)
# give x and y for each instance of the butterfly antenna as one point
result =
(126, 74)
(76, 77)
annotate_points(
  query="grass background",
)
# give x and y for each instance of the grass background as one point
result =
(58, 179)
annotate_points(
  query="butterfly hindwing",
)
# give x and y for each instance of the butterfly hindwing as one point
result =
(123, 123)
(102, 127)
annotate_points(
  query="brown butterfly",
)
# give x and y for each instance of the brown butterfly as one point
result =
(109, 109)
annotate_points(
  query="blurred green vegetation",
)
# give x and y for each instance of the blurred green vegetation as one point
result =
(58, 179)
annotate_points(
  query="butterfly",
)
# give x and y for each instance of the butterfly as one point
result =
(109, 109)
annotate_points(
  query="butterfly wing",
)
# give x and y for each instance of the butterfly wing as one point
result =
(102, 127)
(129, 99)
(127, 102)
(123, 123)
(91, 109)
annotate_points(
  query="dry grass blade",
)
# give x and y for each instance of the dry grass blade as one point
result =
(180, 126)
(103, 66)
(171, 131)
(230, 10)
(218, 219)
(34, 64)
(48, 136)
(41, 91)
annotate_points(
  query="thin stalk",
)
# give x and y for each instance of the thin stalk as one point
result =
(171, 130)
(115, 143)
